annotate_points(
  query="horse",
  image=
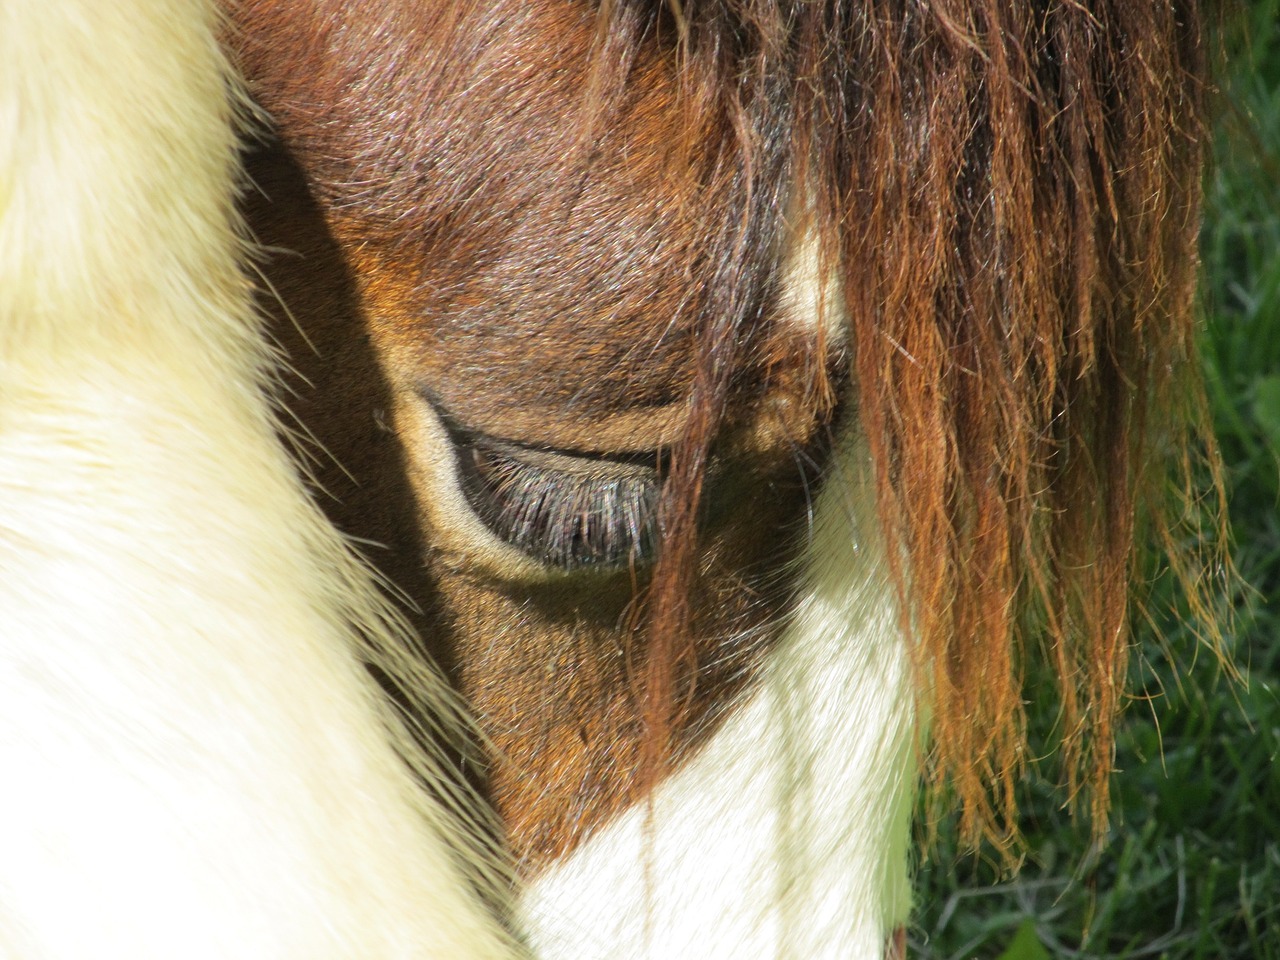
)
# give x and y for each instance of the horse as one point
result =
(641, 445)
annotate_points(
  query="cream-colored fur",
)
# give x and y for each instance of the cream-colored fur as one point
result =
(195, 763)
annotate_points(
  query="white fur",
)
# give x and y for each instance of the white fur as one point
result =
(811, 299)
(195, 763)
(788, 835)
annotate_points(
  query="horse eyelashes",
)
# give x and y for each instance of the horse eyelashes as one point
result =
(565, 512)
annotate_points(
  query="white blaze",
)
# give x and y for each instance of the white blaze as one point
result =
(788, 834)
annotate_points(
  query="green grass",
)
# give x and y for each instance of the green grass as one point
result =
(1190, 869)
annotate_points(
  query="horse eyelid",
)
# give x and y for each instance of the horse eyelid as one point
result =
(596, 515)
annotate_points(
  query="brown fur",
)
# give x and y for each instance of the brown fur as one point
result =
(531, 294)
(538, 192)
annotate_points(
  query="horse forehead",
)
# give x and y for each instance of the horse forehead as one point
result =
(447, 115)
(513, 265)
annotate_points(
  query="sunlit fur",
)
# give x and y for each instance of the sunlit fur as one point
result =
(195, 762)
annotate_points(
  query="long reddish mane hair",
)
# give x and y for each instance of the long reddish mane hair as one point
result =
(1007, 197)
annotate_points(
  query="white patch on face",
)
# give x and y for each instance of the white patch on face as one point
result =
(788, 834)
(811, 300)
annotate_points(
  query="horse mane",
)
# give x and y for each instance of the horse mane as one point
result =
(1007, 198)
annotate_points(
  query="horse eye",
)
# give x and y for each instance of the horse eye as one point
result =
(564, 510)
